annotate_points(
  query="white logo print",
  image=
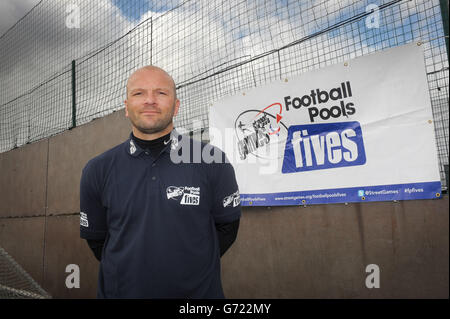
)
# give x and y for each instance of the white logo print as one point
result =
(84, 220)
(233, 198)
(174, 144)
(132, 147)
(173, 192)
(166, 142)
(189, 195)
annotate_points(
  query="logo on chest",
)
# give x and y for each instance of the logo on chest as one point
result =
(184, 194)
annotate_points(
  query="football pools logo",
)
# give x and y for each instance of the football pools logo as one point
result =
(185, 195)
(232, 200)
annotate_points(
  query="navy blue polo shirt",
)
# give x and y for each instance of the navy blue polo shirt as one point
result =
(158, 220)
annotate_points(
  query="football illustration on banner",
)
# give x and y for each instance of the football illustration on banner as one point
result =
(261, 133)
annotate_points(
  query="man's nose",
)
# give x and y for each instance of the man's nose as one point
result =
(150, 98)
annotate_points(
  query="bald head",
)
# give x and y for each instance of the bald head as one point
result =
(149, 71)
(151, 102)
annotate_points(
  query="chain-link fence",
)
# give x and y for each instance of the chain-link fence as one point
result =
(211, 48)
(15, 282)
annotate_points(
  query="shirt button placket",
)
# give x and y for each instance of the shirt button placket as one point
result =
(153, 177)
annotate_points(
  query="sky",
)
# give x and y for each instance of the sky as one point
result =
(191, 42)
(13, 10)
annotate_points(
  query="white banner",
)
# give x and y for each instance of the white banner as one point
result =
(357, 131)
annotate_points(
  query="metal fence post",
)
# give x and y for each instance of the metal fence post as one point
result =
(74, 105)
(444, 15)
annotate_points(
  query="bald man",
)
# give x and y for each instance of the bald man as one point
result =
(158, 227)
(151, 102)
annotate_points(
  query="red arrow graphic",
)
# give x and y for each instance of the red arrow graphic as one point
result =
(279, 117)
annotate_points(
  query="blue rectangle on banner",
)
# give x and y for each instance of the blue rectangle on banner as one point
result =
(323, 146)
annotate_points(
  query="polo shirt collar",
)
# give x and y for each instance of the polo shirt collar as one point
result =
(133, 149)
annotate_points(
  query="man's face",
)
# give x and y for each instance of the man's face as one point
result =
(151, 102)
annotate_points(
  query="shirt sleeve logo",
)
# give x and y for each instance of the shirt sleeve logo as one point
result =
(185, 195)
(234, 199)
(84, 220)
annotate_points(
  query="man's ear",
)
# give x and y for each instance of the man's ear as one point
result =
(177, 107)
(126, 108)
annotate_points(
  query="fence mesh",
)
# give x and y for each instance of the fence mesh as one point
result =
(211, 48)
(15, 282)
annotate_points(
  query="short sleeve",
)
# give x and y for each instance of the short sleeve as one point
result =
(226, 200)
(92, 212)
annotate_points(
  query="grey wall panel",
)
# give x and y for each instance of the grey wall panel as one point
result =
(248, 266)
(314, 252)
(421, 250)
(63, 246)
(69, 152)
(22, 180)
(23, 240)
(322, 251)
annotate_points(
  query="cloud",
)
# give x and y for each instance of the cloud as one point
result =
(38, 48)
(13, 10)
(192, 43)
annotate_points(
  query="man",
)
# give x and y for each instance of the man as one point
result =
(158, 226)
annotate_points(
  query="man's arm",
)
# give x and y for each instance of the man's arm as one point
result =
(96, 246)
(227, 233)
(226, 209)
(93, 226)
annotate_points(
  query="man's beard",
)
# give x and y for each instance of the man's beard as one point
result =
(157, 127)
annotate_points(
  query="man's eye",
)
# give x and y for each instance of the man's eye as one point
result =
(164, 93)
(138, 93)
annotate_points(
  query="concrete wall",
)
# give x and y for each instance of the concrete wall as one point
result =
(318, 251)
